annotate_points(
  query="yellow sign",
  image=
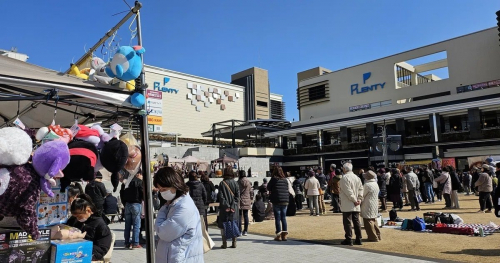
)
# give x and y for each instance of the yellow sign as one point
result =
(155, 120)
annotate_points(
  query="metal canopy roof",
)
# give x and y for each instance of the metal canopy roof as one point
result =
(244, 129)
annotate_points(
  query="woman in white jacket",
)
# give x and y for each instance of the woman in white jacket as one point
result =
(369, 206)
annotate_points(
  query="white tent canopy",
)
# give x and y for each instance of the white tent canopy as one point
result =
(192, 159)
(33, 91)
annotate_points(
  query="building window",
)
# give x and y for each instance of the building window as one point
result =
(262, 103)
(317, 93)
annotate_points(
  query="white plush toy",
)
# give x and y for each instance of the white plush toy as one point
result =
(15, 146)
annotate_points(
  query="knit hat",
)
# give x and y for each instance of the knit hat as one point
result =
(369, 175)
(98, 175)
(265, 180)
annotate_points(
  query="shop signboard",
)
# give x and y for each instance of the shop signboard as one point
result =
(357, 89)
(156, 120)
(482, 85)
(18, 246)
(153, 94)
(494, 83)
(360, 107)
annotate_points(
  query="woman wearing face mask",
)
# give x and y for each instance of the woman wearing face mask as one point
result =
(178, 224)
(84, 218)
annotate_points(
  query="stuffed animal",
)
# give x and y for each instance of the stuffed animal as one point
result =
(15, 146)
(104, 137)
(114, 156)
(63, 232)
(83, 158)
(19, 182)
(126, 64)
(49, 160)
(134, 157)
(89, 135)
(99, 74)
(73, 70)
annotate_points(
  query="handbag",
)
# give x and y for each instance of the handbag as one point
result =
(441, 186)
(231, 228)
(419, 198)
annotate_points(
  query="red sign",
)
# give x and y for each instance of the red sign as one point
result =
(153, 94)
(448, 162)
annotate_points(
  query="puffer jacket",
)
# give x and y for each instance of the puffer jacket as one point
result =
(369, 206)
(351, 190)
(279, 191)
(246, 193)
(198, 193)
(178, 227)
(484, 183)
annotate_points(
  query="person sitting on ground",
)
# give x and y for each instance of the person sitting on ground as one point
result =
(110, 205)
(258, 209)
(85, 218)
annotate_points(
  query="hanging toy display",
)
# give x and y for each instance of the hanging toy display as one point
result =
(19, 182)
(126, 64)
(49, 160)
(83, 158)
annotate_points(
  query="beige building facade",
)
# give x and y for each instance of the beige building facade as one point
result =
(187, 105)
(256, 82)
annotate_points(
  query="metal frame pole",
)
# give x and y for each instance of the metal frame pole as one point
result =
(148, 184)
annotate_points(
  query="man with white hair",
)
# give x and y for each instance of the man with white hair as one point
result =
(351, 195)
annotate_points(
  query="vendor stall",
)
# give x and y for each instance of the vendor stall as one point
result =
(60, 107)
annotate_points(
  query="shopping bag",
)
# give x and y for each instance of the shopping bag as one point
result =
(208, 243)
(419, 198)
(231, 229)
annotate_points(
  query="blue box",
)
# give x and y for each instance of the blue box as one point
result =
(71, 251)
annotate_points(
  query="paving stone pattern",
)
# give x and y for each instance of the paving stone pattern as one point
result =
(256, 248)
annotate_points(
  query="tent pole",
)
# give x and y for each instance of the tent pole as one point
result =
(133, 11)
(147, 178)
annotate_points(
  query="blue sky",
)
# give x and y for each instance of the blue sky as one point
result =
(215, 39)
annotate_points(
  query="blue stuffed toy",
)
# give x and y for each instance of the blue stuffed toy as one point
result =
(126, 64)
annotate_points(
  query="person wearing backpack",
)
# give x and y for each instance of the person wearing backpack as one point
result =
(444, 182)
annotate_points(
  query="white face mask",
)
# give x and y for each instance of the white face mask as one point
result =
(83, 220)
(167, 195)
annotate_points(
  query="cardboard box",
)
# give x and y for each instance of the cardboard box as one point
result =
(17, 246)
(71, 251)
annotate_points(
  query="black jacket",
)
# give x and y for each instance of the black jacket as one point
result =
(322, 180)
(279, 191)
(96, 191)
(496, 196)
(428, 175)
(395, 184)
(209, 188)
(198, 194)
(455, 182)
(298, 188)
(134, 193)
(258, 211)
(110, 205)
(97, 232)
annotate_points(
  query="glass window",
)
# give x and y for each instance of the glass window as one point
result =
(385, 103)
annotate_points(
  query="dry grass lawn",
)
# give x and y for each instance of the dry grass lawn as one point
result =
(328, 229)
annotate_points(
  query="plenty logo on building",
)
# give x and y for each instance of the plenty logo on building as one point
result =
(156, 86)
(356, 89)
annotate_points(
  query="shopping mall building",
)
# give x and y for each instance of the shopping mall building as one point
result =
(437, 101)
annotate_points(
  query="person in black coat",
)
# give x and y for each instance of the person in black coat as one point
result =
(279, 197)
(110, 206)
(298, 188)
(84, 218)
(496, 194)
(455, 186)
(97, 191)
(258, 209)
(395, 187)
(209, 189)
(198, 193)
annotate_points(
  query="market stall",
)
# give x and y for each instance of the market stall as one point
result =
(54, 107)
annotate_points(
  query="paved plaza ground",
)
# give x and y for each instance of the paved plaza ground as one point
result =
(257, 248)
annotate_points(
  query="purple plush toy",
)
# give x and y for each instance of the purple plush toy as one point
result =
(49, 160)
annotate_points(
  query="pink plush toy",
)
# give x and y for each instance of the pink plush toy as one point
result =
(49, 160)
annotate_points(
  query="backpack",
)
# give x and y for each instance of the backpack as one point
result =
(418, 224)
(407, 224)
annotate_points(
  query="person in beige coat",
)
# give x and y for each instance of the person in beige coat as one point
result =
(351, 195)
(484, 185)
(312, 187)
(369, 206)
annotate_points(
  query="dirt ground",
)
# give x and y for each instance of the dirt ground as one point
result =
(328, 229)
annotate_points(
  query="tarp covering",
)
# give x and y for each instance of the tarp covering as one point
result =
(22, 79)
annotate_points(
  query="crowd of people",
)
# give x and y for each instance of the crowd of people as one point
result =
(183, 206)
